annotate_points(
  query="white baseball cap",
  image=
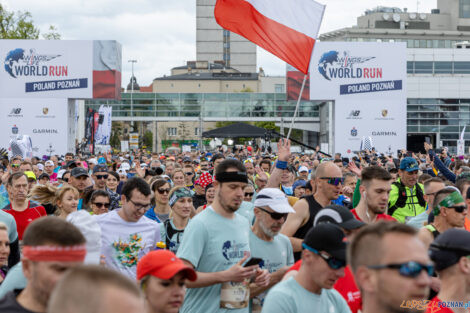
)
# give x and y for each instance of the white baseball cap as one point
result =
(49, 163)
(93, 161)
(125, 166)
(275, 199)
(303, 169)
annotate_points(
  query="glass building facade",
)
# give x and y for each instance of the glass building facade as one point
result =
(223, 106)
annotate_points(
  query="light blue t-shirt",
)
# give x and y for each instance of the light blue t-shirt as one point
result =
(275, 254)
(289, 297)
(14, 280)
(213, 243)
(10, 222)
(246, 210)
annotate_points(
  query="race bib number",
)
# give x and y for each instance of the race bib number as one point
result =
(234, 295)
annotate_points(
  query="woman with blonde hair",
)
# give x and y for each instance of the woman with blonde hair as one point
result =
(4, 251)
(181, 203)
(65, 199)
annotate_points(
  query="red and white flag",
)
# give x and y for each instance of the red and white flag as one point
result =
(286, 28)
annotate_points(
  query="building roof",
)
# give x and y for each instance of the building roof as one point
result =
(211, 76)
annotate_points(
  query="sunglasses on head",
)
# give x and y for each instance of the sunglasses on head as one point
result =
(409, 269)
(162, 191)
(332, 262)
(102, 176)
(100, 204)
(333, 180)
(459, 209)
(249, 194)
(275, 215)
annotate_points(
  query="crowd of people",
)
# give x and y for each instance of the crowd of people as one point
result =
(235, 231)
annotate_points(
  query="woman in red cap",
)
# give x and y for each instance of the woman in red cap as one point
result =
(162, 277)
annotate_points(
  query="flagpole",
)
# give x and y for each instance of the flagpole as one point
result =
(297, 106)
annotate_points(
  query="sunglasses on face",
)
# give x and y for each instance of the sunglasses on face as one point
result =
(189, 173)
(275, 215)
(410, 269)
(162, 191)
(459, 209)
(249, 194)
(65, 180)
(102, 176)
(332, 262)
(333, 180)
(15, 165)
(100, 204)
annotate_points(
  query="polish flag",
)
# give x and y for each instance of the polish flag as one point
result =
(286, 28)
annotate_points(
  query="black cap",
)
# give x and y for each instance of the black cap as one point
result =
(79, 171)
(338, 215)
(186, 159)
(329, 238)
(71, 165)
(449, 247)
(100, 168)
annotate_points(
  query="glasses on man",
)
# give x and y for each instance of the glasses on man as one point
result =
(249, 194)
(332, 262)
(275, 215)
(140, 206)
(459, 208)
(409, 269)
(335, 181)
(103, 204)
(102, 176)
(189, 173)
(15, 165)
(163, 190)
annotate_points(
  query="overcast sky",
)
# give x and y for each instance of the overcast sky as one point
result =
(161, 34)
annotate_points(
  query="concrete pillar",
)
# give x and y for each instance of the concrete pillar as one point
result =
(155, 136)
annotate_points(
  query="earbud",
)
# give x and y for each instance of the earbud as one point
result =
(364, 194)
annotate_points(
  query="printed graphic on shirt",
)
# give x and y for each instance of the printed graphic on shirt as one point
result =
(128, 252)
(233, 251)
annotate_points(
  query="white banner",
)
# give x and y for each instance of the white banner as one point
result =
(60, 69)
(367, 81)
(44, 120)
(103, 133)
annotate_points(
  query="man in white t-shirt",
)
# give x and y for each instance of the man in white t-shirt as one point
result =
(126, 234)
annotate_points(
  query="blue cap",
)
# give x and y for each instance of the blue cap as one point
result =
(101, 160)
(409, 164)
(300, 183)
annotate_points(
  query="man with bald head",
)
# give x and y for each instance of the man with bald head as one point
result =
(328, 181)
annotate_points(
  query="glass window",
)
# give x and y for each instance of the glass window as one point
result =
(462, 67)
(464, 8)
(279, 88)
(171, 131)
(443, 67)
(423, 67)
(428, 43)
(447, 44)
(196, 131)
(410, 43)
(442, 44)
(410, 67)
(422, 43)
(435, 43)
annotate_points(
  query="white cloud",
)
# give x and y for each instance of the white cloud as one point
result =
(161, 34)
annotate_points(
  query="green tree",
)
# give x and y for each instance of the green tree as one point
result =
(116, 133)
(20, 25)
(147, 141)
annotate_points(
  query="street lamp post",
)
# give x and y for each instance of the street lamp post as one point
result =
(132, 91)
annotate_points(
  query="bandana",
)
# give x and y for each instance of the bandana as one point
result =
(204, 180)
(449, 201)
(55, 253)
(178, 194)
(227, 177)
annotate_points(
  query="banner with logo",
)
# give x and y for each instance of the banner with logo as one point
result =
(367, 81)
(103, 131)
(60, 69)
(44, 120)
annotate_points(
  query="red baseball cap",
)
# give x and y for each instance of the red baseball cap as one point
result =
(163, 264)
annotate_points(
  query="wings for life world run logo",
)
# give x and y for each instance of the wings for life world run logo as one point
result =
(19, 63)
(334, 64)
(233, 251)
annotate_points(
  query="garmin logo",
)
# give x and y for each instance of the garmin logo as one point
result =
(384, 134)
(45, 131)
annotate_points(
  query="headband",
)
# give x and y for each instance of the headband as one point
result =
(178, 194)
(228, 177)
(448, 202)
(55, 253)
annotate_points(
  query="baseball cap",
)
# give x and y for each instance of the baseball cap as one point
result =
(30, 174)
(71, 164)
(186, 159)
(449, 247)
(100, 168)
(163, 264)
(299, 183)
(338, 215)
(275, 199)
(40, 167)
(303, 169)
(93, 161)
(125, 166)
(79, 171)
(329, 238)
(409, 164)
(49, 163)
